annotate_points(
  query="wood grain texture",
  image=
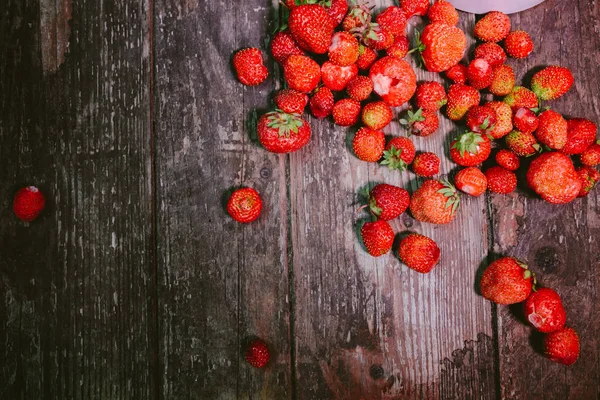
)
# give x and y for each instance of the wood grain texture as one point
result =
(221, 282)
(559, 242)
(75, 314)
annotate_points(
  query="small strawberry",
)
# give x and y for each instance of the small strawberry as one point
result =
(481, 119)
(506, 281)
(366, 58)
(418, 252)
(503, 80)
(28, 203)
(249, 67)
(291, 101)
(388, 202)
(301, 73)
(552, 129)
(346, 112)
(553, 176)
(522, 144)
(244, 205)
(321, 103)
(471, 181)
(376, 115)
(503, 124)
(562, 346)
(460, 99)
(394, 80)
(441, 46)
(479, 74)
(507, 159)
(336, 9)
(311, 27)
(280, 132)
(493, 53)
(399, 153)
(544, 310)
(343, 49)
(591, 155)
(421, 123)
(435, 202)
(470, 149)
(358, 16)
(430, 96)
(393, 20)
(257, 354)
(283, 45)
(368, 144)
(360, 88)
(399, 48)
(525, 120)
(443, 12)
(581, 134)
(493, 27)
(552, 82)
(414, 7)
(457, 73)
(378, 237)
(426, 164)
(376, 37)
(518, 44)
(589, 177)
(336, 77)
(521, 97)
(500, 180)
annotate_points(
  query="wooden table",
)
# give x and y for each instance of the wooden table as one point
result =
(135, 284)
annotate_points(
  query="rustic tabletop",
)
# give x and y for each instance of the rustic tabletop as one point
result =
(135, 284)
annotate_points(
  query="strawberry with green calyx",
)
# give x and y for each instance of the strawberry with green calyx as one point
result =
(346, 112)
(336, 77)
(418, 252)
(257, 354)
(589, 177)
(393, 20)
(553, 177)
(493, 27)
(426, 164)
(376, 115)
(481, 119)
(368, 145)
(552, 82)
(280, 132)
(491, 52)
(552, 130)
(399, 153)
(581, 134)
(421, 123)
(525, 120)
(444, 12)
(430, 96)
(388, 202)
(360, 88)
(503, 125)
(301, 73)
(358, 16)
(244, 205)
(378, 237)
(374, 36)
(460, 99)
(470, 149)
(507, 281)
(394, 80)
(591, 155)
(436, 202)
(311, 27)
(441, 46)
(503, 80)
(521, 97)
(248, 64)
(544, 310)
(344, 49)
(507, 159)
(321, 103)
(562, 346)
(523, 144)
(500, 180)
(471, 181)
(291, 101)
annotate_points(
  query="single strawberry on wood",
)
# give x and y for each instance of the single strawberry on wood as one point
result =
(490, 52)
(311, 27)
(522, 144)
(360, 88)
(257, 354)
(430, 96)
(248, 64)
(394, 80)
(562, 346)
(346, 112)
(426, 164)
(421, 123)
(343, 49)
(378, 237)
(393, 19)
(280, 132)
(518, 44)
(525, 120)
(506, 281)
(507, 159)
(460, 99)
(336, 77)
(399, 153)
(552, 82)
(553, 176)
(503, 124)
(500, 180)
(244, 205)
(544, 310)
(441, 46)
(388, 202)
(376, 115)
(552, 129)
(502, 81)
(368, 145)
(283, 45)
(471, 181)
(436, 202)
(521, 97)
(419, 252)
(28, 203)
(470, 149)
(581, 134)
(457, 73)
(493, 27)
(444, 12)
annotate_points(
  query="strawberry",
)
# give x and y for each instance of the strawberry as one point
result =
(280, 132)
(460, 99)
(481, 119)
(552, 129)
(301, 73)
(388, 202)
(552, 82)
(249, 66)
(435, 201)
(589, 177)
(522, 144)
(376, 37)
(506, 281)
(507, 159)
(399, 48)
(244, 205)
(581, 134)
(441, 46)
(311, 27)
(283, 45)
(479, 74)
(368, 144)
(518, 44)
(360, 88)
(521, 97)
(430, 96)
(470, 149)
(394, 80)
(366, 57)
(257, 354)
(503, 124)
(421, 123)
(503, 80)
(525, 120)
(28, 203)
(343, 49)
(393, 20)
(553, 176)
(291, 101)
(426, 164)
(500, 180)
(346, 112)
(443, 12)
(562, 346)
(493, 53)
(493, 27)
(471, 181)
(399, 153)
(321, 103)
(457, 73)
(336, 77)
(336, 9)
(544, 310)
(591, 155)
(376, 115)
(414, 7)
(358, 16)
(418, 252)
(378, 237)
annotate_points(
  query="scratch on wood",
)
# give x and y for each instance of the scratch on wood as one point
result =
(54, 32)
(509, 208)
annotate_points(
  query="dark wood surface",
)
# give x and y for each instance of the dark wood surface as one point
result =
(135, 284)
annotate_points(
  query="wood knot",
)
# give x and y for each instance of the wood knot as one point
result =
(376, 371)
(265, 173)
(548, 259)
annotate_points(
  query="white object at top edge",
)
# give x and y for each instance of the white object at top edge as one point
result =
(485, 6)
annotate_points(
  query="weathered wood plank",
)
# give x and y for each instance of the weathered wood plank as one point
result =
(559, 242)
(75, 315)
(220, 281)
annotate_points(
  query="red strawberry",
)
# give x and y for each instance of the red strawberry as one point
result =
(360, 88)
(518, 44)
(500, 180)
(521, 97)
(553, 176)
(336, 77)
(503, 124)
(249, 66)
(552, 129)
(503, 80)
(506, 281)
(368, 144)
(414, 7)
(376, 37)
(346, 112)
(493, 27)
(444, 12)
(399, 48)
(399, 153)
(552, 82)
(376, 115)
(430, 96)
(387, 202)
(441, 46)
(581, 134)
(280, 132)
(344, 49)
(591, 155)
(28, 203)
(522, 144)
(562, 346)
(481, 119)
(366, 57)
(301, 73)
(393, 20)
(418, 252)
(544, 310)
(460, 99)
(457, 73)
(394, 80)
(283, 45)
(244, 205)
(358, 16)
(311, 27)
(426, 164)
(257, 354)
(471, 181)
(479, 74)
(291, 101)
(321, 103)
(435, 202)
(470, 149)
(507, 159)
(492, 53)
(589, 177)
(525, 120)
(378, 237)
(421, 123)
(336, 9)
